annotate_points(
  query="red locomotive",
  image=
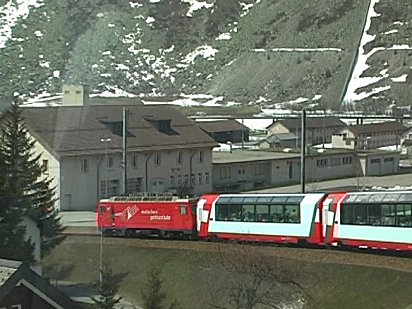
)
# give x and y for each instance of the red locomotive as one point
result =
(379, 220)
(147, 214)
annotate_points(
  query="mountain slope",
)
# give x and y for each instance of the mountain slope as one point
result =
(267, 51)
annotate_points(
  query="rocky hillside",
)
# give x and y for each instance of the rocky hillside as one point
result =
(252, 51)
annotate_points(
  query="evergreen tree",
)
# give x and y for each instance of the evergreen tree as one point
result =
(24, 189)
(108, 288)
(153, 294)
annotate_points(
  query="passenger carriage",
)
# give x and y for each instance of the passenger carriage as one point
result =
(377, 220)
(279, 218)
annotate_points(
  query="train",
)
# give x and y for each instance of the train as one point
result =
(379, 220)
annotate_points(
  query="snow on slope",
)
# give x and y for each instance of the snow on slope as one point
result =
(361, 66)
(11, 13)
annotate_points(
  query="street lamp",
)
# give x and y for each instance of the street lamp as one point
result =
(105, 141)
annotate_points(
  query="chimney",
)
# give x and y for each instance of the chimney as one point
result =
(75, 95)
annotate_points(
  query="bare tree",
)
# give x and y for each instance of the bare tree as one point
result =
(252, 278)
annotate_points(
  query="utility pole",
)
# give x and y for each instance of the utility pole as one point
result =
(124, 150)
(303, 151)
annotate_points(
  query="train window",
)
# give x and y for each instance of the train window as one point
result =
(376, 198)
(277, 213)
(235, 213)
(102, 209)
(405, 197)
(391, 197)
(348, 214)
(248, 213)
(262, 213)
(250, 199)
(295, 199)
(361, 213)
(292, 214)
(388, 215)
(236, 200)
(403, 213)
(224, 199)
(222, 212)
(351, 198)
(374, 214)
(279, 199)
(183, 210)
(264, 199)
(363, 198)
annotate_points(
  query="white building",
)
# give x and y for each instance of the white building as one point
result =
(81, 150)
(369, 136)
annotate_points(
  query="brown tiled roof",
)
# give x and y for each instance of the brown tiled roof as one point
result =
(377, 128)
(311, 123)
(21, 275)
(221, 125)
(78, 130)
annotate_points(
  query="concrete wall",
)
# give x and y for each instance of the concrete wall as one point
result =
(155, 172)
(53, 170)
(283, 171)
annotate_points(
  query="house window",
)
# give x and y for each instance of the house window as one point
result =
(179, 180)
(200, 178)
(201, 156)
(192, 179)
(321, 162)
(207, 177)
(78, 92)
(224, 172)
(109, 162)
(259, 169)
(172, 180)
(134, 185)
(347, 160)
(134, 161)
(186, 179)
(157, 159)
(84, 165)
(179, 158)
(109, 187)
(45, 166)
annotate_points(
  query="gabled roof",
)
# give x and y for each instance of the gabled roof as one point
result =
(311, 123)
(377, 128)
(407, 142)
(280, 137)
(221, 125)
(78, 130)
(18, 273)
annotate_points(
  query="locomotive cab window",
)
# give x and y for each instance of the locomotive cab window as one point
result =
(183, 210)
(102, 209)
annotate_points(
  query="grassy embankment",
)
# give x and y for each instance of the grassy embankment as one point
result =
(191, 276)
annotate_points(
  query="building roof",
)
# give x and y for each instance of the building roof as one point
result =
(239, 156)
(78, 130)
(311, 123)
(376, 128)
(280, 137)
(13, 273)
(221, 125)
(407, 142)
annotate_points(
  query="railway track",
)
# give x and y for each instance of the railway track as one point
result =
(399, 262)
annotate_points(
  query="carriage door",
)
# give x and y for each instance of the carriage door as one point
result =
(327, 219)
